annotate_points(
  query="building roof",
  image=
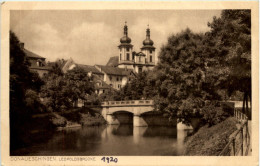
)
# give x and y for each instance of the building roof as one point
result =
(103, 85)
(32, 55)
(139, 54)
(113, 61)
(115, 70)
(88, 68)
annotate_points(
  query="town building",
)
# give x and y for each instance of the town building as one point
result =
(116, 77)
(104, 77)
(37, 62)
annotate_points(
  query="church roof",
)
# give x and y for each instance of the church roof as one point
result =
(115, 70)
(113, 61)
(103, 84)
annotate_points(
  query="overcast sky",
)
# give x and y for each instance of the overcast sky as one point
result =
(92, 36)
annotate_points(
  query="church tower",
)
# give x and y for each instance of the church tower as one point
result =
(149, 50)
(125, 51)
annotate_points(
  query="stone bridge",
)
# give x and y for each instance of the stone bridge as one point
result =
(136, 112)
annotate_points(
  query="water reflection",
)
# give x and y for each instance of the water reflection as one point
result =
(111, 140)
(123, 130)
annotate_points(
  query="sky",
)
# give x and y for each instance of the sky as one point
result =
(91, 36)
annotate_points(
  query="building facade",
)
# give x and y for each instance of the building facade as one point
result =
(105, 78)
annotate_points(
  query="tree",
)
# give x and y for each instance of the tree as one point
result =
(229, 52)
(79, 84)
(181, 76)
(22, 82)
(61, 90)
(140, 87)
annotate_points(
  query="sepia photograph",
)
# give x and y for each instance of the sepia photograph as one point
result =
(132, 82)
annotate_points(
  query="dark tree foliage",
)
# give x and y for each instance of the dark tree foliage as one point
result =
(228, 48)
(79, 84)
(181, 76)
(140, 87)
(22, 83)
(111, 95)
(61, 90)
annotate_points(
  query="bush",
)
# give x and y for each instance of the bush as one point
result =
(228, 107)
(214, 114)
(33, 102)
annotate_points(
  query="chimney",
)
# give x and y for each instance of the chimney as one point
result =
(22, 45)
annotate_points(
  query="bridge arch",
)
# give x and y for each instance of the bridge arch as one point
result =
(138, 112)
(124, 117)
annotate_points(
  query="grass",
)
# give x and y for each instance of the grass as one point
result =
(209, 141)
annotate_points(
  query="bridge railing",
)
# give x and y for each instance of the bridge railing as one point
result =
(127, 103)
(239, 142)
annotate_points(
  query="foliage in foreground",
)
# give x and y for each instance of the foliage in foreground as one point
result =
(24, 87)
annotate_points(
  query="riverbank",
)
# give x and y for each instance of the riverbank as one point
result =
(82, 116)
(209, 141)
(78, 116)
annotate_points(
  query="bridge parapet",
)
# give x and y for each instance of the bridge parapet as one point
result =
(127, 103)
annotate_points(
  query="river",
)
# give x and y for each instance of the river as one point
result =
(117, 140)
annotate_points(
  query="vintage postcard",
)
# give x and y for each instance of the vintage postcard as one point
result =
(129, 83)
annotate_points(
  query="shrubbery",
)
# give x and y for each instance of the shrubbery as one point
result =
(213, 113)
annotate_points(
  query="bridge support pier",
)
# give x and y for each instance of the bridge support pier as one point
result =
(138, 121)
(112, 120)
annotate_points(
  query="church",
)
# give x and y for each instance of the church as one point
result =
(143, 60)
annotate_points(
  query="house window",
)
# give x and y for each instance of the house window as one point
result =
(103, 90)
(140, 60)
(117, 79)
(127, 49)
(151, 58)
(39, 64)
(151, 51)
(139, 69)
(127, 56)
(120, 57)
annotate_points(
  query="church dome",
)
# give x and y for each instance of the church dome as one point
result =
(148, 41)
(125, 39)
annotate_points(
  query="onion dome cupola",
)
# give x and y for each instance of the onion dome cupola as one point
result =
(125, 38)
(148, 41)
(148, 49)
(125, 51)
